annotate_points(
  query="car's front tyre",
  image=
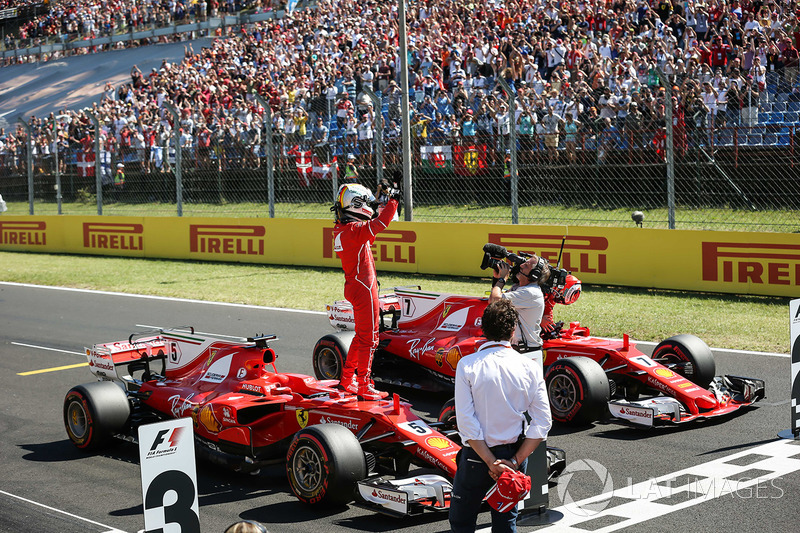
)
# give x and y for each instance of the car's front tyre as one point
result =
(578, 390)
(689, 356)
(323, 464)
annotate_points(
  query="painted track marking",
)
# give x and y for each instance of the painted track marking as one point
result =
(54, 369)
(109, 528)
(165, 298)
(737, 475)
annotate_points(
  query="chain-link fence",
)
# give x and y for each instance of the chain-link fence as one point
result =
(739, 176)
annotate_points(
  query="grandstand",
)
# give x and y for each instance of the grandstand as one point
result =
(732, 76)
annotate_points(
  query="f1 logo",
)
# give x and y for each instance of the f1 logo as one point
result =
(173, 439)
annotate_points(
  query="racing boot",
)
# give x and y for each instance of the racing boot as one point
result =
(367, 391)
(349, 385)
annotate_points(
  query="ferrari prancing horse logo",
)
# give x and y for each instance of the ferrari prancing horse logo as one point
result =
(302, 417)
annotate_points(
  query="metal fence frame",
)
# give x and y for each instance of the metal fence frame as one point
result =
(711, 163)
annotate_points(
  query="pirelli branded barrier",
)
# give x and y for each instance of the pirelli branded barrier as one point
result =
(732, 262)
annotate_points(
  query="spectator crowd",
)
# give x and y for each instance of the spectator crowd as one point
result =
(584, 74)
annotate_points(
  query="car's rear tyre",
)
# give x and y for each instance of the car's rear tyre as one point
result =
(447, 415)
(691, 356)
(330, 353)
(578, 390)
(323, 464)
(93, 412)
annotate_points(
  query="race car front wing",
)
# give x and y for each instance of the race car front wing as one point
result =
(405, 497)
(731, 392)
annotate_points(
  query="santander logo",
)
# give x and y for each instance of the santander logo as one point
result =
(387, 496)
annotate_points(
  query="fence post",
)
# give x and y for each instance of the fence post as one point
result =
(669, 151)
(379, 148)
(98, 159)
(512, 113)
(29, 159)
(270, 153)
(408, 193)
(176, 130)
(55, 164)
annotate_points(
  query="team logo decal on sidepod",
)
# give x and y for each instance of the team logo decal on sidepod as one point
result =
(302, 417)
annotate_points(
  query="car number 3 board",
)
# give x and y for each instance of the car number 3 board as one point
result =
(169, 477)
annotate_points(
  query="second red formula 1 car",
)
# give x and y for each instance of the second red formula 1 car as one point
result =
(246, 414)
(424, 335)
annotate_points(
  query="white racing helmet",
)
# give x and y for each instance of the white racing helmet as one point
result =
(354, 202)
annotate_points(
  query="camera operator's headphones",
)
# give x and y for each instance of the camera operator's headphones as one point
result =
(538, 270)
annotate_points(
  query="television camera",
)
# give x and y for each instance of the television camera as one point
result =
(493, 254)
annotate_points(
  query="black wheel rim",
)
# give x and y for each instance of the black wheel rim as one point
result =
(308, 469)
(563, 394)
(328, 363)
(77, 420)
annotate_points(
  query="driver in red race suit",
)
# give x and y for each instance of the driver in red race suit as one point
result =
(565, 296)
(357, 225)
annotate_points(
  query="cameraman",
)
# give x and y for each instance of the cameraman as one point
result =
(527, 298)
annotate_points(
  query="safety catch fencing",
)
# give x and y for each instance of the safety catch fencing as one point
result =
(724, 178)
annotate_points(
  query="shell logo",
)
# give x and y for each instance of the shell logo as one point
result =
(664, 373)
(440, 443)
(453, 357)
(208, 420)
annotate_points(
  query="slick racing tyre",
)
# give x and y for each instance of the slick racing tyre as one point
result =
(93, 412)
(578, 390)
(448, 414)
(691, 357)
(330, 353)
(323, 464)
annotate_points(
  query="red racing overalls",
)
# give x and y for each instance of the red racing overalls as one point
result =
(353, 244)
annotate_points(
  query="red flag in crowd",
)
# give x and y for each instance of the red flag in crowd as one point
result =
(302, 160)
(85, 164)
(469, 160)
(660, 143)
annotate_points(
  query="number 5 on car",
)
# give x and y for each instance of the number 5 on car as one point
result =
(169, 476)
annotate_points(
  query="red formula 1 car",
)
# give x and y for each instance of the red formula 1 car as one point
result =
(246, 415)
(424, 335)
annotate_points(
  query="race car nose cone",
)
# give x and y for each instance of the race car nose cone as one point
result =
(706, 402)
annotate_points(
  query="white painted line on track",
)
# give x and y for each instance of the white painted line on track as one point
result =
(165, 298)
(739, 475)
(109, 528)
(46, 348)
(726, 350)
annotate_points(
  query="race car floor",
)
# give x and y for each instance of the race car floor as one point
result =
(731, 473)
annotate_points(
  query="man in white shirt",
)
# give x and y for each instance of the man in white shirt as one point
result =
(497, 391)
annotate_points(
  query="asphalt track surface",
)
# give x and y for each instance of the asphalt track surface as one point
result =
(47, 485)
